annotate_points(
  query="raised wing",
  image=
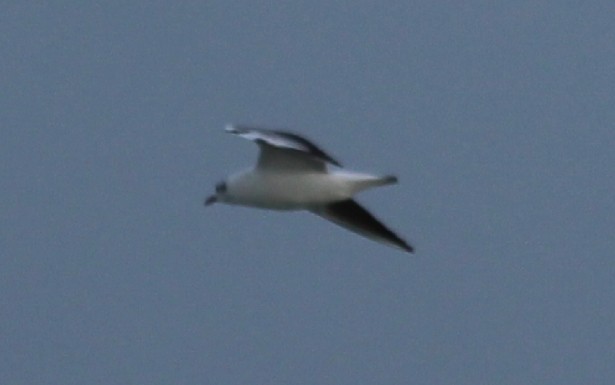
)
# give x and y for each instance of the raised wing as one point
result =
(352, 216)
(281, 149)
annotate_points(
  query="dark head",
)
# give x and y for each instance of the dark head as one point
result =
(220, 191)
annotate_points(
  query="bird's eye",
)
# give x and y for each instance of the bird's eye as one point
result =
(221, 187)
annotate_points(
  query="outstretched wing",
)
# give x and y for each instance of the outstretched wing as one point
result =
(352, 216)
(284, 150)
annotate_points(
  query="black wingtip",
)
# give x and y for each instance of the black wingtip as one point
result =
(354, 217)
(408, 248)
(309, 144)
(304, 142)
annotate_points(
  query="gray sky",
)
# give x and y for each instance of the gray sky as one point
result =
(497, 118)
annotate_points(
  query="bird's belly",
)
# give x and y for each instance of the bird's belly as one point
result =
(291, 192)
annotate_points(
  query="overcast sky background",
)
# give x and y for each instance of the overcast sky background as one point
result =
(498, 119)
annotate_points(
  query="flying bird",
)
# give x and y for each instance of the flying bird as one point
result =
(292, 173)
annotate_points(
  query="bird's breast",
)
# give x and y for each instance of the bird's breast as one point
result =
(286, 191)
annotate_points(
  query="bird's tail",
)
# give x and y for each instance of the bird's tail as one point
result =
(359, 182)
(387, 179)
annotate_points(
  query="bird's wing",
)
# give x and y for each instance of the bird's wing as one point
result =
(284, 150)
(352, 216)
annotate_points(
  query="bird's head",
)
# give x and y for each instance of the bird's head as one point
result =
(219, 196)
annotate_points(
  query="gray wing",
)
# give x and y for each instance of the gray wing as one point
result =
(282, 149)
(352, 216)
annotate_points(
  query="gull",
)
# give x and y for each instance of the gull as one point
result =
(292, 173)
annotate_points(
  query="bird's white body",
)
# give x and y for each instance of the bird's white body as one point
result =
(288, 190)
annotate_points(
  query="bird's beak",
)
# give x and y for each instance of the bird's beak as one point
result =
(211, 200)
